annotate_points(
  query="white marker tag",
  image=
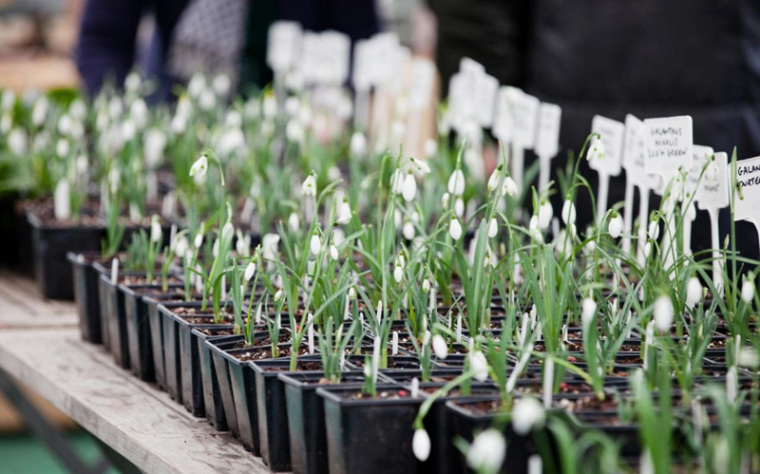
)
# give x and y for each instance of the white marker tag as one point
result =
(336, 52)
(502, 124)
(362, 74)
(469, 66)
(485, 94)
(525, 119)
(114, 270)
(700, 155)
(457, 94)
(669, 144)
(713, 191)
(612, 135)
(547, 136)
(634, 151)
(284, 43)
(747, 206)
(423, 76)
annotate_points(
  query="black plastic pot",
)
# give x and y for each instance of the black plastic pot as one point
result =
(104, 304)
(369, 435)
(50, 244)
(306, 419)
(170, 334)
(115, 320)
(212, 395)
(222, 376)
(86, 295)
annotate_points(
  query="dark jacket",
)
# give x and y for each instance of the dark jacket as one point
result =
(108, 32)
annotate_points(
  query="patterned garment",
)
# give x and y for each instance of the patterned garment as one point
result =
(208, 39)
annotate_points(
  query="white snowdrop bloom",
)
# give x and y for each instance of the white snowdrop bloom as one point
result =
(294, 131)
(17, 141)
(654, 230)
(596, 150)
(338, 236)
(398, 273)
(315, 244)
(343, 211)
(527, 414)
(456, 183)
(588, 311)
(196, 85)
(292, 104)
(358, 144)
(615, 227)
(269, 106)
(222, 85)
(179, 124)
(455, 229)
(663, 313)
(568, 212)
(294, 222)
(693, 292)
(421, 444)
(510, 187)
(545, 214)
(309, 186)
(181, 247)
(269, 246)
(426, 285)
(199, 168)
(748, 358)
(459, 207)
(647, 249)
(155, 230)
(408, 230)
(128, 130)
(5, 123)
(445, 199)
(479, 366)
(397, 181)
(39, 111)
(334, 252)
(207, 99)
(233, 119)
(420, 166)
(115, 108)
(748, 290)
(155, 142)
(243, 245)
(487, 451)
(278, 295)
(440, 347)
(493, 228)
(62, 148)
(64, 124)
(78, 109)
(409, 189)
(306, 116)
(132, 82)
(535, 229)
(228, 231)
(138, 111)
(198, 241)
(431, 148)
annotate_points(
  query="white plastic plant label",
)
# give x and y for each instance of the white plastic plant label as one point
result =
(668, 144)
(612, 135)
(468, 66)
(525, 118)
(634, 151)
(713, 190)
(502, 124)
(699, 155)
(362, 75)
(423, 76)
(310, 57)
(283, 45)
(747, 206)
(485, 94)
(547, 134)
(336, 50)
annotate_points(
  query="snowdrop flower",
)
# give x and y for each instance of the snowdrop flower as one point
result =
(711, 172)
(459, 207)
(421, 444)
(510, 187)
(456, 183)
(294, 222)
(748, 290)
(426, 285)
(693, 292)
(568, 212)
(132, 82)
(479, 366)
(243, 245)
(535, 229)
(663, 313)
(408, 230)
(179, 124)
(527, 414)
(545, 214)
(493, 228)
(398, 273)
(420, 165)
(588, 311)
(338, 236)
(198, 241)
(181, 247)
(278, 295)
(155, 230)
(39, 111)
(445, 199)
(250, 270)
(9, 98)
(397, 181)
(358, 144)
(138, 111)
(128, 130)
(155, 142)
(431, 147)
(294, 132)
(5, 123)
(64, 124)
(615, 227)
(596, 150)
(455, 229)
(228, 231)
(440, 347)
(487, 451)
(199, 168)
(17, 141)
(334, 252)
(62, 148)
(343, 211)
(654, 230)
(409, 189)
(316, 244)
(748, 358)
(269, 245)
(221, 85)
(309, 186)
(269, 106)
(207, 100)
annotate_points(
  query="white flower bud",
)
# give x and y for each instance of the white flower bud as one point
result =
(493, 228)
(358, 144)
(455, 229)
(568, 212)
(155, 230)
(440, 347)
(294, 222)
(545, 214)
(309, 186)
(487, 451)
(479, 366)
(409, 189)
(456, 183)
(748, 291)
(527, 414)
(316, 244)
(250, 270)
(693, 292)
(588, 312)
(663, 313)
(615, 227)
(654, 230)
(334, 252)
(421, 444)
(199, 168)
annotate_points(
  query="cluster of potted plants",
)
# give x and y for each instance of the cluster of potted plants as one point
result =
(344, 310)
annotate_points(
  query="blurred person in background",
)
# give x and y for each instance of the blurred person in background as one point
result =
(207, 36)
(648, 58)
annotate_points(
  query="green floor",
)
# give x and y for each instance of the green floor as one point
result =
(25, 454)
